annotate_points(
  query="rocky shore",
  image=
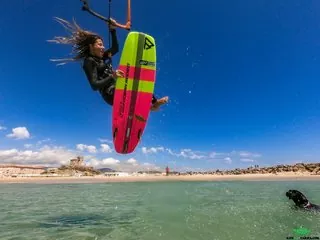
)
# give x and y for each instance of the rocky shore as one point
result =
(305, 168)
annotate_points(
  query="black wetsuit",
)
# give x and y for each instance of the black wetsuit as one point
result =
(100, 73)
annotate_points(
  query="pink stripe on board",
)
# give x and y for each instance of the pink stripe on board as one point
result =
(145, 74)
(140, 117)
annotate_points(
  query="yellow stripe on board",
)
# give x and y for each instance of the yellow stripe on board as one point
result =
(144, 86)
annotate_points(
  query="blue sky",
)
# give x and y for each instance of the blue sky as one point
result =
(242, 77)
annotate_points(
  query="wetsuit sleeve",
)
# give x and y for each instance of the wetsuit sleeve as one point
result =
(114, 45)
(90, 68)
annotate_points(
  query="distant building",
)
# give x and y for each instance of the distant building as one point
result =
(167, 170)
(77, 162)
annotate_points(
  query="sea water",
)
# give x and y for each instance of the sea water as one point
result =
(220, 210)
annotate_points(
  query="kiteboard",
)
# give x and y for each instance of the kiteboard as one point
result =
(133, 92)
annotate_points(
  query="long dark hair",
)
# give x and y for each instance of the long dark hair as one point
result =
(80, 40)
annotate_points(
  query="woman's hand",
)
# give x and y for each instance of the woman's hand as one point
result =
(112, 24)
(118, 73)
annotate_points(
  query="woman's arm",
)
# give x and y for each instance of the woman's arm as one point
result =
(114, 45)
(90, 68)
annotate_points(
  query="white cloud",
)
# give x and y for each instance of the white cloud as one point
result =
(46, 156)
(19, 133)
(172, 153)
(152, 150)
(234, 154)
(110, 161)
(213, 155)
(8, 153)
(2, 128)
(187, 153)
(55, 156)
(132, 161)
(228, 160)
(81, 147)
(246, 154)
(140, 167)
(105, 148)
(92, 161)
(130, 165)
(146, 164)
(149, 166)
(218, 155)
(102, 140)
(226, 157)
(246, 160)
(43, 141)
(89, 148)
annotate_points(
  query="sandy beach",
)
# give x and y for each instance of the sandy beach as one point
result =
(154, 178)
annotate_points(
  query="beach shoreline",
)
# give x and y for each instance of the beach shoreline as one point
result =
(154, 178)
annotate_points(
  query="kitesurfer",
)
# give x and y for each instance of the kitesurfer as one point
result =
(97, 66)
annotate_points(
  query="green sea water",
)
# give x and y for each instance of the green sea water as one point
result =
(156, 210)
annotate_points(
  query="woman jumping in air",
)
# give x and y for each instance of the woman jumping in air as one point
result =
(97, 65)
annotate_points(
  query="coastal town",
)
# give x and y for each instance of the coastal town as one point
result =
(77, 168)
